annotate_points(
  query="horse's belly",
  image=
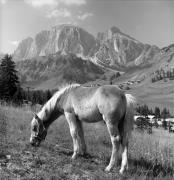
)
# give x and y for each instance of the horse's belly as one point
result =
(89, 115)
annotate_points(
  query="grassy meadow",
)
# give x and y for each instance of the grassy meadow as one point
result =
(150, 156)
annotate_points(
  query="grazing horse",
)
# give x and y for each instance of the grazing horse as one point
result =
(89, 104)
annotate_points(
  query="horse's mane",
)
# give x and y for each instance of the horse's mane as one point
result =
(66, 87)
(51, 103)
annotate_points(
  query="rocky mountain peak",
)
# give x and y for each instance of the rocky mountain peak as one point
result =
(63, 38)
(169, 48)
(112, 49)
(23, 48)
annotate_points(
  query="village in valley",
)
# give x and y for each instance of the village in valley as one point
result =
(148, 121)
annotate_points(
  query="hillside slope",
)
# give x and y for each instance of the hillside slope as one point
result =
(153, 84)
(50, 71)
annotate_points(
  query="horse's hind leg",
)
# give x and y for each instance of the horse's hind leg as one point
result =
(115, 139)
(124, 163)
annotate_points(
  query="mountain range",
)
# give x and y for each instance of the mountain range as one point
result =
(68, 53)
(112, 49)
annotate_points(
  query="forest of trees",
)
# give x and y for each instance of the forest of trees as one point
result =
(143, 123)
(10, 87)
(162, 74)
(145, 111)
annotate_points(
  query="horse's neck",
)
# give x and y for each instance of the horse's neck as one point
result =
(50, 113)
(47, 118)
(54, 107)
(44, 117)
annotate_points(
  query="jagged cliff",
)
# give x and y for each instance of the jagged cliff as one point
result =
(64, 39)
(120, 50)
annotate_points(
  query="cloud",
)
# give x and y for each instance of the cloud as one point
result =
(53, 3)
(84, 16)
(14, 43)
(59, 13)
(3, 1)
(41, 3)
(67, 22)
(73, 2)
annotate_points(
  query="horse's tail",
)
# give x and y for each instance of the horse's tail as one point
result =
(128, 118)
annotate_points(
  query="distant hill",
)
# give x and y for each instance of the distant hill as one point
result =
(154, 93)
(50, 71)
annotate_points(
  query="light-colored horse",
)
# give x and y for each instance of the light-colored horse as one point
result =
(89, 104)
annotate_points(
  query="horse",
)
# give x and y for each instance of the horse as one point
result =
(80, 104)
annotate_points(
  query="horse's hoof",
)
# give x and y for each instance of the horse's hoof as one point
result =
(121, 172)
(107, 169)
(74, 156)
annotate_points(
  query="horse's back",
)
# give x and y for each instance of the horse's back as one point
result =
(83, 92)
(110, 91)
(97, 93)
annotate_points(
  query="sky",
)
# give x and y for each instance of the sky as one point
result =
(149, 21)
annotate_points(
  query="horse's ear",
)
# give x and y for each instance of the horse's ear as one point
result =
(36, 117)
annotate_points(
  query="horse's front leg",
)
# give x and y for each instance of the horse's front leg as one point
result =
(82, 139)
(74, 131)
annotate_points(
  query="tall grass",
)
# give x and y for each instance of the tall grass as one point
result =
(150, 156)
(3, 133)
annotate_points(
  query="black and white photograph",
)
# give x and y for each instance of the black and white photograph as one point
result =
(86, 89)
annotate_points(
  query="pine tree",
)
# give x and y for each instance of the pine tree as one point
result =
(145, 111)
(18, 96)
(157, 112)
(9, 80)
(164, 114)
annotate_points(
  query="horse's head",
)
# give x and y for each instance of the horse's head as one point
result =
(38, 131)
